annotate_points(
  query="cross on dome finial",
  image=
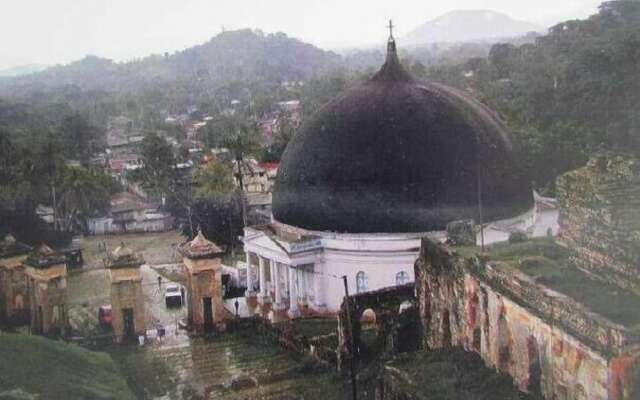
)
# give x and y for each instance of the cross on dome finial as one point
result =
(391, 44)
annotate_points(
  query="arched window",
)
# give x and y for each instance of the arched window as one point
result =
(361, 282)
(402, 278)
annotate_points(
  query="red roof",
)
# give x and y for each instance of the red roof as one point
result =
(269, 165)
(117, 165)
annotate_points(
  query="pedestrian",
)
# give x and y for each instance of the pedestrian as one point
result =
(159, 282)
(182, 293)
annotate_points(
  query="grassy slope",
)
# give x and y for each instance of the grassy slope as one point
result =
(56, 370)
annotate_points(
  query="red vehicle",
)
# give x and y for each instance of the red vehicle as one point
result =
(105, 316)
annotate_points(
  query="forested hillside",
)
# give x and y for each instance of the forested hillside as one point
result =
(571, 93)
(223, 68)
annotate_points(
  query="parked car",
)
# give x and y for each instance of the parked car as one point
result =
(173, 296)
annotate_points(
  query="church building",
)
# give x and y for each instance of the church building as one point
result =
(391, 161)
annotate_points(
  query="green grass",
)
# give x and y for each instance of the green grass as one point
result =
(548, 263)
(57, 370)
(315, 326)
(455, 374)
(156, 248)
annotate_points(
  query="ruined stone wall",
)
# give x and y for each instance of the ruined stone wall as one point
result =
(204, 279)
(48, 305)
(127, 295)
(547, 344)
(600, 218)
(14, 304)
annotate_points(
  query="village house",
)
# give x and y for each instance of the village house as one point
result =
(130, 213)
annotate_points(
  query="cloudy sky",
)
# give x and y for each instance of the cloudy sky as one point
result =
(58, 31)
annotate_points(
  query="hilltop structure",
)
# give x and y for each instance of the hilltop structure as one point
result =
(378, 168)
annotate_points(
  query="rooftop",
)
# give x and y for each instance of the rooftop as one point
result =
(44, 256)
(200, 247)
(124, 257)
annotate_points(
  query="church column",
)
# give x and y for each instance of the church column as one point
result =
(293, 293)
(249, 291)
(319, 289)
(264, 293)
(275, 272)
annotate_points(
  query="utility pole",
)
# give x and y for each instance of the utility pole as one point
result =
(479, 176)
(353, 342)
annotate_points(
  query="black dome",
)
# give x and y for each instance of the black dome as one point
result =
(399, 155)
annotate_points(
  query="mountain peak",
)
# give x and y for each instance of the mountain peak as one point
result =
(469, 26)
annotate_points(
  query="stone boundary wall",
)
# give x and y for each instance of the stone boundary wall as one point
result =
(600, 218)
(606, 337)
(548, 343)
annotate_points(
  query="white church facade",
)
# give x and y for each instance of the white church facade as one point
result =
(294, 271)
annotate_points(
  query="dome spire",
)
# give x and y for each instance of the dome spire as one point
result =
(392, 71)
(391, 43)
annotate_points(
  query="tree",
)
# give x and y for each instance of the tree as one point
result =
(216, 179)
(83, 193)
(240, 136)
(285, 130)
(220, 218)
(159, 164)
(80, 138)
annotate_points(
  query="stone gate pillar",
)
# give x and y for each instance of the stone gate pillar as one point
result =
(14, 298)
(201, 263)
(127, 300)
(46, 272)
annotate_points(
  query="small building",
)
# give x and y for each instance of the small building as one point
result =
(14, 297)
(46, 274)
(130, 213)
(127, 300)
(203, 269)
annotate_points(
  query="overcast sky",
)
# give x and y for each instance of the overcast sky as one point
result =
(59, 31)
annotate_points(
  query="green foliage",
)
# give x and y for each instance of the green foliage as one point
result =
(572, 92)
(79, 138)
(550, 264)
(216, 179)
(235, 132)
(84, 192)
(56, 370)
(284, 133)
(159, 162)
(219, 217)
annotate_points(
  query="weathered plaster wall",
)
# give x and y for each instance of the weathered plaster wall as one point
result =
(48, 299)
(14, 304)
(546, 343)
(600, 218)
(127, 294)
(204, 279)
